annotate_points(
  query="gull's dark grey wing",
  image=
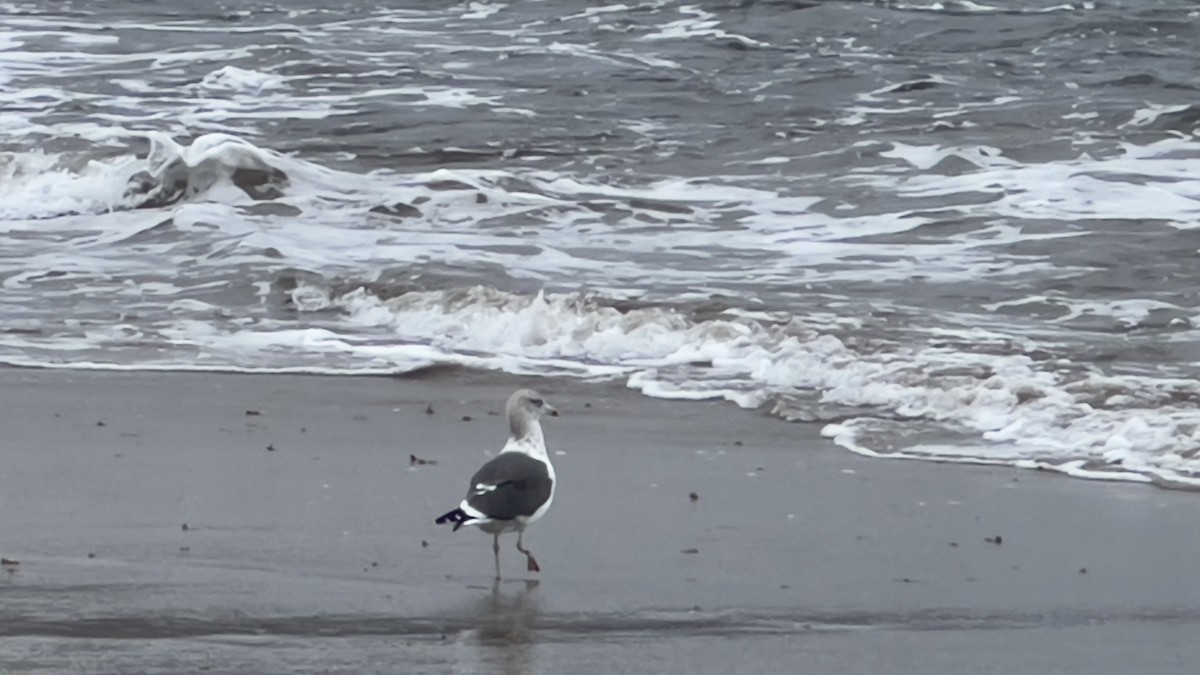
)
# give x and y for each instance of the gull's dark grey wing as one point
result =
(511, 484)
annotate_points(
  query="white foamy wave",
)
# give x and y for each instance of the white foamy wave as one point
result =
(1140, 182)
(697, 23)
(969, 7)
(36, 185)
(1005, 408)
(241, 80)
(1020, 410)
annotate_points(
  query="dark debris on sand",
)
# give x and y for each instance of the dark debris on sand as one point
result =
(413, 460)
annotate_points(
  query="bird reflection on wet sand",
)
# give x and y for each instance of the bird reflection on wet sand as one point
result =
(504, 624)
(507, 617)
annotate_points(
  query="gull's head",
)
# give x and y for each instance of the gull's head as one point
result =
(529, 403)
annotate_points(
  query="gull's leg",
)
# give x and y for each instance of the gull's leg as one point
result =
(531, 562)
(496, 552)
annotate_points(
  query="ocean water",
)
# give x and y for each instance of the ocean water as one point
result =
(956, 231)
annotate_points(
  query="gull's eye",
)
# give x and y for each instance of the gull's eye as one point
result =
(537, 402)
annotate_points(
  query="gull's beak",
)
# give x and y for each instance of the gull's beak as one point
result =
(549, 410)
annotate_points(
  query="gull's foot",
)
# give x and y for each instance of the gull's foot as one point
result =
(532, 565)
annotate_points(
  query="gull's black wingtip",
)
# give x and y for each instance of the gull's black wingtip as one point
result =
(457, 516)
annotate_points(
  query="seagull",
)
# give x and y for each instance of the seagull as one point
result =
(516, 487)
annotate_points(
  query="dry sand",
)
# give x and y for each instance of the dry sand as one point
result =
(310, 546)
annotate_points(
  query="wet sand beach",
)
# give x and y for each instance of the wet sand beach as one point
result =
(179, 523)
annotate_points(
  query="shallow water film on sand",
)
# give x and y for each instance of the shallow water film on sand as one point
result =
(948, 230)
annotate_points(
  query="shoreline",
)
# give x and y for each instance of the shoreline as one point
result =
(310, 533)
(478, 376)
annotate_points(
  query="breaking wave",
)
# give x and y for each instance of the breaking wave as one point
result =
(992, 397)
